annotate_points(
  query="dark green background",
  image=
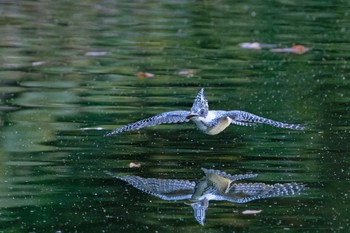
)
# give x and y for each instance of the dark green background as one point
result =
(52, 172)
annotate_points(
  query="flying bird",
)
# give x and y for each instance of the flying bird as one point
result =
(215, 185)
(211, 122)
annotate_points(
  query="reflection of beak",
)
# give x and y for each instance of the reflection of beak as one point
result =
(189, 116)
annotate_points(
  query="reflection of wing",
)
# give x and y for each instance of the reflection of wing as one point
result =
(241, 193)
(228, 176)
(163, 118)
(199, 209)
(249, 119)
(163, 189)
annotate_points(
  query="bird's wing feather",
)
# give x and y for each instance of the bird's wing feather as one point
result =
(161, 188)
(163, 118)
(249, 119)
(242, 193)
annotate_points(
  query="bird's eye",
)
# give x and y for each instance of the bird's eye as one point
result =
(201, 111)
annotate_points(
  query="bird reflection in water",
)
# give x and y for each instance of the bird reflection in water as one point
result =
(215, 185)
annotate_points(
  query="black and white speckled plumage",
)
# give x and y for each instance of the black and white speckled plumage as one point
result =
(199, 210)
(210, 188)
(210, 122)
(161, 188)
(239, 117)
(163, 118)
(245, 192)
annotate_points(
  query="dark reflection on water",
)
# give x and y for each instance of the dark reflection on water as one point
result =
(66, 66)
(215, 185)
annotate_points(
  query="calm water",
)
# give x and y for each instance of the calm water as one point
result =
(67, 66)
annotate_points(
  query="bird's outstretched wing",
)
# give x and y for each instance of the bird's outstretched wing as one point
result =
(161, 188)
(249, 119)
(163, 118)
(242, 193)
(228, 176)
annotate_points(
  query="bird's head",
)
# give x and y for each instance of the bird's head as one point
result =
(199, 209)
(200, 106)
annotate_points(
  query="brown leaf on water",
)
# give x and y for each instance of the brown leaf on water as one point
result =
(131, 165)
(144, 75)
(251, 211)
(297, 49)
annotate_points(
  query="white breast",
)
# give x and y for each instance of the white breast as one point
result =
(222, 124)
(202, 123)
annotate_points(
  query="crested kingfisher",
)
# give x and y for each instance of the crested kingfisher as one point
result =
(211, 122)
(215, 185)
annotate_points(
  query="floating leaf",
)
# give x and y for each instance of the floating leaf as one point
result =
(251, 211)
(95, 53)
(250, 45)
(188, 73)
(131, 165)
(297, 49)
(38, 63)
(145, 75)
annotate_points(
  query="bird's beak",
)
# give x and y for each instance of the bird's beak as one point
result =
(189, 116)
